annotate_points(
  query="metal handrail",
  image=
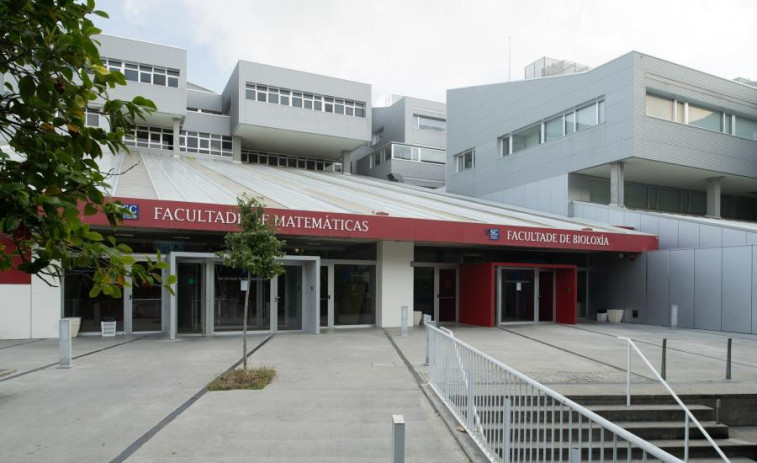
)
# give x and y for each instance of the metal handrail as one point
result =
(618, 432)
(687, 412)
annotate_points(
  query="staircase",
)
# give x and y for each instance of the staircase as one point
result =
(535, 438)
(662, 424)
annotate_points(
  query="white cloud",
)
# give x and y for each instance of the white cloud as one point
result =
(421, 48)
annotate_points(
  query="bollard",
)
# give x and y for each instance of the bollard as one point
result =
(717, 411)
(64, 344)
(398, 439)
(663, 369)
(403, 329)
(426, 321)
(674, 316)
(728, 360)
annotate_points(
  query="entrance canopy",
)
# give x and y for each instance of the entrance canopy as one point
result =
(164, 192)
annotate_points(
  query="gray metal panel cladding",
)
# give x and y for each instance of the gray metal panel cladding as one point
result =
(754, 289)
(708, 265)
(682, 285)
(737, 289)
(477, 116)
(658, 288)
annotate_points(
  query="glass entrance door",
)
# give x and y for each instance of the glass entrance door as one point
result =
(546, 295)
(289, 299)
(146, 307)
(189, 297)
(324, 302)
(447, 295)
(517, 295)
(423, 290)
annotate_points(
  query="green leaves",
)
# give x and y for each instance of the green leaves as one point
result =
(53, 72)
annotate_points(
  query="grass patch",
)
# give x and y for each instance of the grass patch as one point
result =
(252, 378)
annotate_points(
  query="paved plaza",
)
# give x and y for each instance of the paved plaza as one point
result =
(142, 398)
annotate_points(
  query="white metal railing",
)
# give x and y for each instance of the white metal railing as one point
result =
(687, 413)
(514, 418)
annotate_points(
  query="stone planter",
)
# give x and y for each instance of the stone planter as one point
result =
(417, 316)
(602, 317)
(615, 315)
(75, 325)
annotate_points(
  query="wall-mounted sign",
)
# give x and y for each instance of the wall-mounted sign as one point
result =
(133, 211)
(493, 234)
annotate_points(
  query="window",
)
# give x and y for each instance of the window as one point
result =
(465, 160)
(526, 138)
(586, 117)
(145, 73)
(286, 160)
(504, 146)
(659, 107)
(705, 118)
(745, 128)
(553, 128)
(430, 123)
(205, 143)
(299, 99)
(406, 152)
(91, 118)
(150, 137)
(377, 136)
(570, 123)
(601, 112)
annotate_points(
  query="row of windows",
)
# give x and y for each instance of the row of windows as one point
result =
(288, 160)
(150, 137)
(408, 153)
(683, 112)
(436, 124)
(299, 99)
(465, 160)
(568, 122)
(137, 72)
(205, 111)
(205, 143)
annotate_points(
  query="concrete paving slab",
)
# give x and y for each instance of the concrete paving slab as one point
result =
(332, 400)
(96, 409)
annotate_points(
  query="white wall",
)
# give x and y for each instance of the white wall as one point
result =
(549, 195)
(394, 282)
(15, 319)
(47, 308)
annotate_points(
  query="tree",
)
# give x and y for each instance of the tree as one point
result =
(253, 249)
(52, 72)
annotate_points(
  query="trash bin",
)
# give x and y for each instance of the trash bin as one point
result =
(108, 327)
(601, 315)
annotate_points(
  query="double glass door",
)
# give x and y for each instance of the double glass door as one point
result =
(435, 291)
(525, 295)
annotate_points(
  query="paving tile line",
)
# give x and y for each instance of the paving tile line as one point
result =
(20, 344)
(464, 441)
(637, 341)
(34, 370)
(144, 438)
(586, 357)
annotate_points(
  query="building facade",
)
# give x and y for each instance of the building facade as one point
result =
(408, 143)
(359, 249)
(637, 142)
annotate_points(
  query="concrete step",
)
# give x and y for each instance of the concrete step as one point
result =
(652, 412)
(647, 430)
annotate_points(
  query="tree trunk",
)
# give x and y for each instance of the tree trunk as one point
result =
(244, 320)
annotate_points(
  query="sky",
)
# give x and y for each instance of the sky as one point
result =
(421, 48)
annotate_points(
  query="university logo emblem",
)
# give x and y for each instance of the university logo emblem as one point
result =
(133, 211)
(493, 233)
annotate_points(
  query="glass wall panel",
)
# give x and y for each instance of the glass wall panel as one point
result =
(76, 302)
(423, 290)
(553, 128)
(324, 302)
(705, 118)
(433, 156)
(570, 123)
(599, 191)
(430, 123)
(146, 308)
(526, 138)
(669, 200)
(289, 302)
(229, 301)
(404, 152)
(189, 297)
(354, 294)
(745, 128)
(636, 196)
(659, 107)
(601, 111)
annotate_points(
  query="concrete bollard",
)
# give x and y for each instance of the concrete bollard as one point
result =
(664, 369)
(674, 316)
(403, 329)
(398, 439)
(64, 344)
(728, 359)
(426, 321)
